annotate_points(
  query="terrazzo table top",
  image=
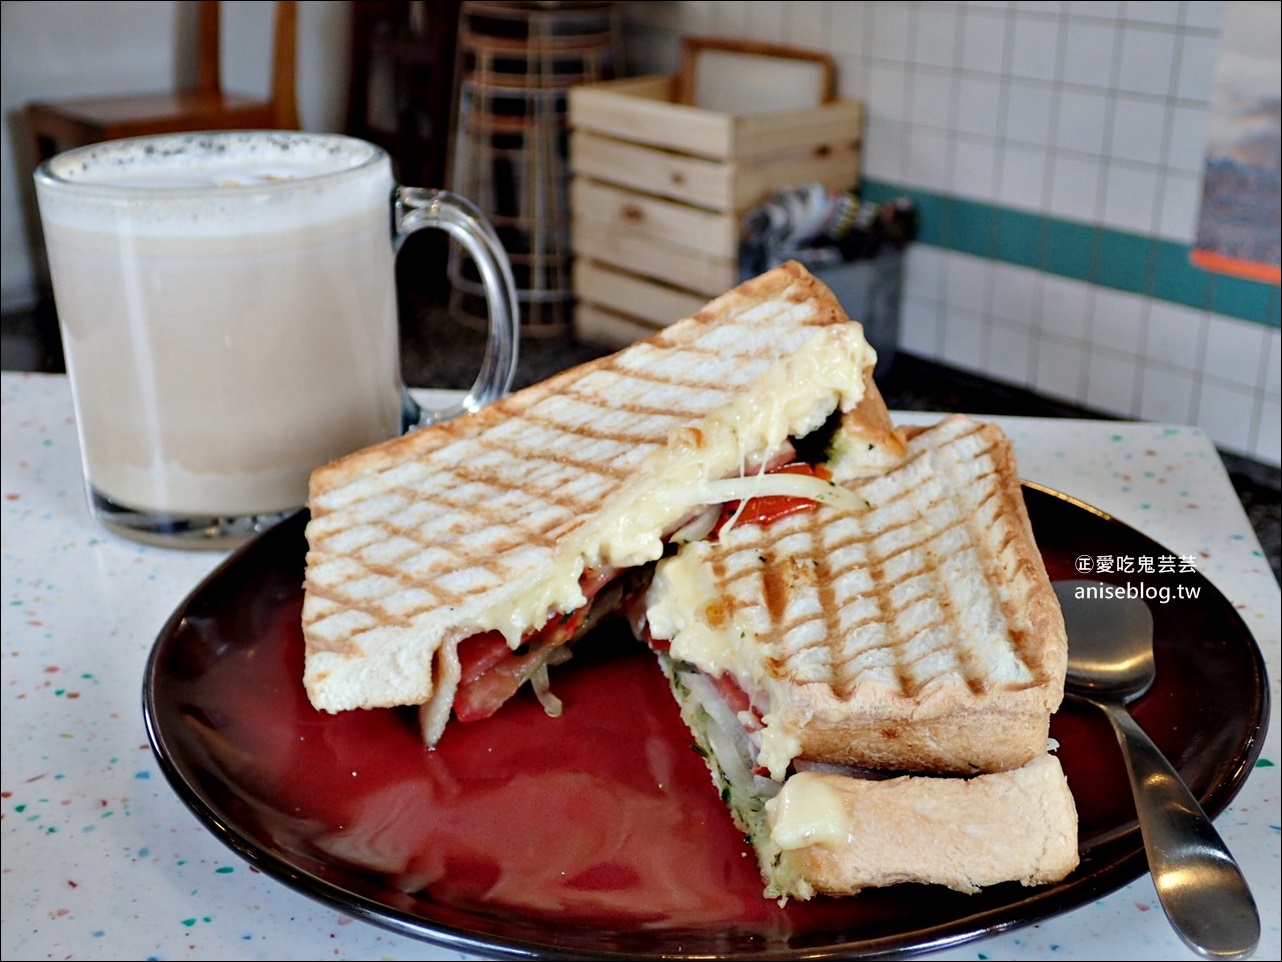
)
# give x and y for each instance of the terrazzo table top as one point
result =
(102, 861)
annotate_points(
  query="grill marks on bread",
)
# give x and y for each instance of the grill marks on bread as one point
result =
(480, 512)
(906, 588)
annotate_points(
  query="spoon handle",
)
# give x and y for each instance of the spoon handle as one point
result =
(1200, 886)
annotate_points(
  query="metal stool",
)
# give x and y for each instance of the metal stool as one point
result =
(516, 64)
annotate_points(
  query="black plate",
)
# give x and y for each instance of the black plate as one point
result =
(597, 834)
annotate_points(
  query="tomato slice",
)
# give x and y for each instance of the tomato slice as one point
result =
(738, 700)
(480, 653)
(491, 672)
(483, 696)
(772, 507)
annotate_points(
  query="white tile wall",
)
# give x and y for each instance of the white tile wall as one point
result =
(1130, 199)
(965, 339)
(1067, 308)
(1196, 65)
(1024, 175)
(1268, 435)
(847, 28)
(1111, 381)
(1234, 351)
(1115, 352)
(1175, 336)
(983, 41)
(1089, 52)
(1034, 44)
(1119, 322)
(1087, 110)
(1168, 395)
(1272, 364)
(1014, 294)
(1228, 413)
(1009, 350)
(1146, 61)
(967, 283)
(1061, 369)
(1030, 113)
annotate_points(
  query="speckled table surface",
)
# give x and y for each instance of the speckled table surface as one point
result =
(101, 860)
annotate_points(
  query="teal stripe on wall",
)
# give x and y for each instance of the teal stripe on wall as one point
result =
(1098, 255)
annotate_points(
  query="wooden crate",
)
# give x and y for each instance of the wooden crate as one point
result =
(660, 189)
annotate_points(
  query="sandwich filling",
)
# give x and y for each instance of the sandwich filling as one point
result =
(491, 671)
(703, 464)
(722, 740)
(798, 477)
(724, 458)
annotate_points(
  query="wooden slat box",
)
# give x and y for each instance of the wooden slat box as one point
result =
(660, 190)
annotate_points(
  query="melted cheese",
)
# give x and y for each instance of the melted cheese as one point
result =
(683, 607)
(702, 465)
(778, 748)
(765, 485)
(679, 609)
(809, 810)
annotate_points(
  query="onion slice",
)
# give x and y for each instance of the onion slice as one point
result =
(775, 484)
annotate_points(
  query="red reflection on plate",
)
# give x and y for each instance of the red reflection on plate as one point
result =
(569, 818)
(600, 832)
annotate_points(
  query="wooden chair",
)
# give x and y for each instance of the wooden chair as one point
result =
(60, 125)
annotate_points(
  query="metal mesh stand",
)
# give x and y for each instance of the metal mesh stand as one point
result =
(517, 62)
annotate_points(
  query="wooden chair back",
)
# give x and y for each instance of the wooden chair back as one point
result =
(60, 125)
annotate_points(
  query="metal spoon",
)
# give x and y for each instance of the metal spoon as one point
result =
(1110, 663)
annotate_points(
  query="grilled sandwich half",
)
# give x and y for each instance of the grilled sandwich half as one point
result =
(449, 566)
(879, 668)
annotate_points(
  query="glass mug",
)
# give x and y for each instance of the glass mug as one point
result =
(227, 303)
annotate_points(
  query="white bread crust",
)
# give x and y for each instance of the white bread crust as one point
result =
(963, 833)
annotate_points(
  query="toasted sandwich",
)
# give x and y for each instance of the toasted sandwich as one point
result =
(447, 567)
(849, 672)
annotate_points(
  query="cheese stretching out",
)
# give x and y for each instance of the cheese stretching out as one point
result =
(432, 553)
(918, 637)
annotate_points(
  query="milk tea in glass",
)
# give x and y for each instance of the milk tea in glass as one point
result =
(227, 305)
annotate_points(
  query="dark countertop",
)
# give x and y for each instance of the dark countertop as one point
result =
(442, 352)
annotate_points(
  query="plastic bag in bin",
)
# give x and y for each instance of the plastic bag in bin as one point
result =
(818, 226)
(852, 245)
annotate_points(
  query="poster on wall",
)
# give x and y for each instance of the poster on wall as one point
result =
(1238, 227)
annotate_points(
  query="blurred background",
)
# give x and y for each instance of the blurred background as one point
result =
(1055, 154)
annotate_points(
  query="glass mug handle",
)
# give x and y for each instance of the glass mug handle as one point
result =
(417, 208)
